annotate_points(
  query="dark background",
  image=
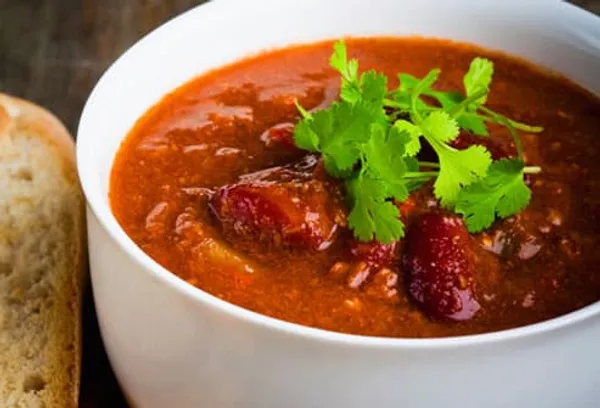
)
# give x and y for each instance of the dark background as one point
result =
(52, 52)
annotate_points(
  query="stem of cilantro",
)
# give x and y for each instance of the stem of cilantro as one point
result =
(517, 125)
(405, 106)
(532, 170)
(501, 120)
(395, 104)
(423, 84)
(429, 164)
(420, 174)
(349, 81)
(305, 114)
(461, 107)
(516, 139)
(414, 112)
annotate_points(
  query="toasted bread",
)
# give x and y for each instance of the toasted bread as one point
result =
(42, 259)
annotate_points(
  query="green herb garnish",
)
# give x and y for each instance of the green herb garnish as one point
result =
(371, 136)
(503, 192)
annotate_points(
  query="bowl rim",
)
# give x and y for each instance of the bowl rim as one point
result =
(110, 225)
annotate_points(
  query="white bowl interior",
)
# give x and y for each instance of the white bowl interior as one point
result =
(550, 33)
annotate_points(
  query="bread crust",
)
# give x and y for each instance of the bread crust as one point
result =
(18, 115)
(25, 115)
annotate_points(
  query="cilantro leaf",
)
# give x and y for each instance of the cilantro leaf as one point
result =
(305, 137)
(407, 82)
(411, 163)
(458, 169)
(348, 125)
(413, 145)
(509, 173)
(350, 88)
(403, 102)
(425, 83)
(440, 126)
(502, 193)
(362, 194)
(387, 222)
(447, 100)
(337, 132)
(372, 214)
(479, 77)
(310, 131)
(473, 123)
(381, 154)
(373, 87)
(339, 61)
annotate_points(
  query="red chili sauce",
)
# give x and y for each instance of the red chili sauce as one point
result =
(209, 184)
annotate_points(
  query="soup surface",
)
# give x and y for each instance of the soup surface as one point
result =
(209, 185)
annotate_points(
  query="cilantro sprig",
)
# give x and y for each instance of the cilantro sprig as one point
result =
(501, 193)
(370, 139)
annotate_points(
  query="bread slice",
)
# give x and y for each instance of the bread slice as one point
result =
(42, 259)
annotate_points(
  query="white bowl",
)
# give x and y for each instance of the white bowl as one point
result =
(172, 345)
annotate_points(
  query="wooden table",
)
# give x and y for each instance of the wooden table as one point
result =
(52, 52)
